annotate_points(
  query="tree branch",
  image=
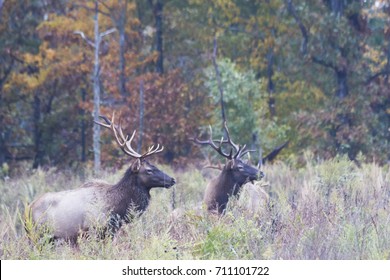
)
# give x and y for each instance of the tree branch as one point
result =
(89, 42)
(324, 63)
(101, 35)
(302, 27)
(7, 72)
(107, 32)
(384, 72)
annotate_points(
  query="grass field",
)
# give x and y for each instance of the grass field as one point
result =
(324, 210)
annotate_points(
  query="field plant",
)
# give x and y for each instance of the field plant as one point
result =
(324, 210)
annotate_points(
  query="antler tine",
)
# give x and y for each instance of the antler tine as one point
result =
(229, 140)
(247, 152)
(243, 152)
(129, 150)
(119, 136)
(111, 125)
(152, 150)
(123, 141)
(121, 131)
(213, 144)
(239, 150)
(107, 124)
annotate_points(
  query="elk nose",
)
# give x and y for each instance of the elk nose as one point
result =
(173, 181)
(261, 175)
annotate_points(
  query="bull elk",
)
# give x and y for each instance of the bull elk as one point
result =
(233, 176)
(73, 212)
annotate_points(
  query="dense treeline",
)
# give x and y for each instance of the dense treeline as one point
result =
(313, 72)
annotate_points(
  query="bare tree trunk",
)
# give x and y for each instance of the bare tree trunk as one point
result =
(302, 27)
(158, 16)
(2, 150)
(342, 85)
(387, 70)
(96, 94)
(271, 85)
(83, 128)
(2, 138)
(122, 48)
(1, 6)
(96, 82)
(336, 6)
(141, 115)
(38, 157)
(219, 80)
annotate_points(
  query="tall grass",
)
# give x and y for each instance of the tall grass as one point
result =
(325, 210)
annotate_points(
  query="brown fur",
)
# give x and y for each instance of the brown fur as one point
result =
(228, 183)
(97, 204)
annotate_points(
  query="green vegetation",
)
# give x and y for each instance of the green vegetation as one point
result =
(324, 210)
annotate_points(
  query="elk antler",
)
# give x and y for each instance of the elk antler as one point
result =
(213, 144)
(124, 142)
(239, 151)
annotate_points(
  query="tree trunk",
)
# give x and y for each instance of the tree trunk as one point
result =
(122, 48)
(83, 128)
(342, 85)
(96, 95)
(141, 115)
(1, 6)
(337, 7)
(38, 152)
(2, 149)
(158, 14)
(2, 137)
(219, 82)
(271, 85)
(388, 61)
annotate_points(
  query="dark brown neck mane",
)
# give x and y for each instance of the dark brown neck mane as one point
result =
(129, 194)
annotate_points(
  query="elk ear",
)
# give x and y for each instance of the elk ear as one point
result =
(135, 167)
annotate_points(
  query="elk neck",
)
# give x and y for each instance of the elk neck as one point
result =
(227, 182)
(128, 192)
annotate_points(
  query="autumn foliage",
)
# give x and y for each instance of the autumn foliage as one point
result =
(310, 72)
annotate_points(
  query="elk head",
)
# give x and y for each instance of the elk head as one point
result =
(241, 172)
(147, 174)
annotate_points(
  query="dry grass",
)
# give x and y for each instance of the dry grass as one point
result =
(326, 210)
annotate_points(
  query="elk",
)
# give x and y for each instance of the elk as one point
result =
(73, 212)
(235, 173)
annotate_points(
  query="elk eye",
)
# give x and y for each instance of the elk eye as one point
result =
(240, 167)
(149, 171)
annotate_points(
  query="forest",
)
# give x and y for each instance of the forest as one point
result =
(313, 74)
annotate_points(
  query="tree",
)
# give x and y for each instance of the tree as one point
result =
(157, 7)
(96, 84)
(339, 49)
(18, 20)
(245, 106)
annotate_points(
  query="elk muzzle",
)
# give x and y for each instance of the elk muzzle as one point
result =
(169, 182)
(254, 174)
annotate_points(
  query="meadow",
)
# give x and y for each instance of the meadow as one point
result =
(330, 209)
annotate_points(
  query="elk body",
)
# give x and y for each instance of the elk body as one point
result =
(99, 204)
(233, 176)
